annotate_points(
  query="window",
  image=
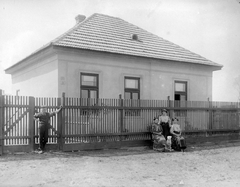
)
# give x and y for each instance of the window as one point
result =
(132, 95)
(89, 85)
(132, 88)
(89, 89)
(180, 96)
(180, 91)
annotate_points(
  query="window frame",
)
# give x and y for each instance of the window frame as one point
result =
(132, 90)
(178, 103)
(129, 102)
(185, 93)
(88, 87)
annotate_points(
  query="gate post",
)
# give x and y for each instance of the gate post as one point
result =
(31, 123)
(1, 122)
(120, 116)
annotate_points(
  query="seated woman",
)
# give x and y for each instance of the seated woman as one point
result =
(159, 142)
(178, 142)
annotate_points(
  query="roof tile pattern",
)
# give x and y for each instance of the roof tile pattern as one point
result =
(109, 34)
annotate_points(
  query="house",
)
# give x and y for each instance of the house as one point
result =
(104, 56)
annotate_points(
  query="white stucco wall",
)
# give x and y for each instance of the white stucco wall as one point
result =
(39, 78)
(156, 76)
(57, 70)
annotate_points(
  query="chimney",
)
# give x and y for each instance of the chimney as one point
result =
(80, 18)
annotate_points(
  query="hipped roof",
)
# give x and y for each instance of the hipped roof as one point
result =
(110, 34)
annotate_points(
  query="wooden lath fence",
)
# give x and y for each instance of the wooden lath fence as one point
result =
(105, 123)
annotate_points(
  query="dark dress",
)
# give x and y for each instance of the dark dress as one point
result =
(164, 122)
(178, 142)
(159, 141)
(166, 129)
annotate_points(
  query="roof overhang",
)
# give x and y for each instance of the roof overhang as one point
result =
(20, 64)
(42, 51)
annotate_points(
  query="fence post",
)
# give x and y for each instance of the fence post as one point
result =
(120, 115)
(31, 123)
(61, 123)
(210, 115)
(1, 121)
(238, 125)
(169, 106)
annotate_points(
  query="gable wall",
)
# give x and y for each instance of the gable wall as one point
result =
(156, 77)
(37, 77)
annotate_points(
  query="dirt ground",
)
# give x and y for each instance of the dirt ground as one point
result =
(199, 166)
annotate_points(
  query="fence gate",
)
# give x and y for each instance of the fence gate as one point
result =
(16, 125)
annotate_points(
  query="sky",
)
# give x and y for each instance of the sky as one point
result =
(210, 28)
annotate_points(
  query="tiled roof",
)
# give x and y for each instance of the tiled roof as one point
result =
(110, 34)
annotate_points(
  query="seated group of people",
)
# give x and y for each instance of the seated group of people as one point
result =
(166, 134)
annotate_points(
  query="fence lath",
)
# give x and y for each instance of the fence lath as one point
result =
(1, 121)
(31, 123)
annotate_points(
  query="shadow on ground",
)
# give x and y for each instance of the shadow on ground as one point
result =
(105, 152)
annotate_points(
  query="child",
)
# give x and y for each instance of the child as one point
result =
(178, 142)
(44, 122)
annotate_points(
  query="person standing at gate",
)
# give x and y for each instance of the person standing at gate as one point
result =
(165, 121)
(44, 122)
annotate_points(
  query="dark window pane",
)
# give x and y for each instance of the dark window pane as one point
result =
(177, 97)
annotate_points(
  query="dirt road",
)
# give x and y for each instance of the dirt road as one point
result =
(198, 167)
